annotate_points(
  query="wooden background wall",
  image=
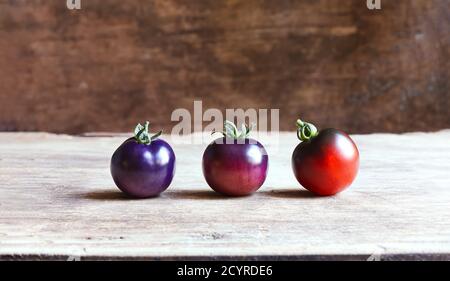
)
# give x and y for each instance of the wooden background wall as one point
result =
(115, 62)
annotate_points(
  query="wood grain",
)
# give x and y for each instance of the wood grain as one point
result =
(113, 63)
(58, 201)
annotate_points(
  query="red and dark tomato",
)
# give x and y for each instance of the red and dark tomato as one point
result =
(325, 162)
(235, 165)
(143, 166)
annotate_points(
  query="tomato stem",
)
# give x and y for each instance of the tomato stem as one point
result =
(306, 131)
(142, 135)
(230, 130)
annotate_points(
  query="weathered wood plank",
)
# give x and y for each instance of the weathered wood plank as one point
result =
(114, 62)
(57, 199)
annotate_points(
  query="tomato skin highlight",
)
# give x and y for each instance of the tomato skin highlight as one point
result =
(326, 164)
(141, 170)
(235, 169)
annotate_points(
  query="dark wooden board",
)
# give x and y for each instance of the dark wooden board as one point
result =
(114, 62)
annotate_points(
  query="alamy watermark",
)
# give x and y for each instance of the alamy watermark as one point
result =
(374, 4)
(73, 4)
(189, 122)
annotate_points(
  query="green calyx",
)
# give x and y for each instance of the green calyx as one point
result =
(231, 131)
(306, 131)
(142, 135)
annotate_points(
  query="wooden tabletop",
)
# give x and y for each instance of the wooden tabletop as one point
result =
(58, 201)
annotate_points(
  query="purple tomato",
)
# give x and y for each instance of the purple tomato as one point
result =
(143, 166)
(235, 165)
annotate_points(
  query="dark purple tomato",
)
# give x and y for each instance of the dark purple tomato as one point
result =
(235, 167)
(143, 166)
(325, 162)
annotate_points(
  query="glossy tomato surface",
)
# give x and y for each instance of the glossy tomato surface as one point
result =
(327, 163)
(142, 170)
(233, 168)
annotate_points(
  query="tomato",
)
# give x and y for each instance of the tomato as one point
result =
(235, 165)
(325, 162)
(143, 166)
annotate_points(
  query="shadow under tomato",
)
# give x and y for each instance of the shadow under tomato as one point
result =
(197, 195)
(292, 193)
(113, 195)
(109, 195)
